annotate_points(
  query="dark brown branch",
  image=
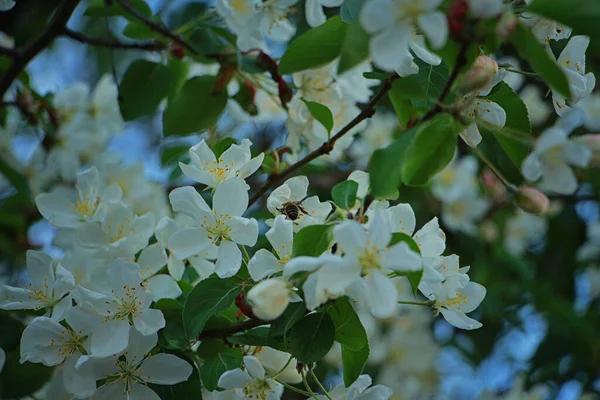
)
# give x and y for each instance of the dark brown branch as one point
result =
(163, 30)
(461, 61)
(326, 147)
(113, 44)
(230, 330)
(38, 44)
(5, 51)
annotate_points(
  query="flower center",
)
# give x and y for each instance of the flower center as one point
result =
(369, 260)
(42, 295)
(257, 389)
(219, 169)
(128, 305)
(457, 302)
(220, 230)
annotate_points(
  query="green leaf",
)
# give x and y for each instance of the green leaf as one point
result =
(143, 87)
(257, 337)
(385, 167)
(432, 148)
(380, 76)
(580, 14)
(21, 380)
(292, 314)
(311, 338)
(321, 113)
(353, 363)
(172, 336)
(350, 10)
(225, 360)
(515, 137)
(172, 155)
(432, 80)
(414, 277)
(344, 194)
(188, 390)
(349, 331)
(315, 47)
(355, 48)
(401, 104)
(136, 29)
(223, 145)
(194, 108)
(98, 8)
(313, 240)
(207, 297)
(540, 61)
(398, 237)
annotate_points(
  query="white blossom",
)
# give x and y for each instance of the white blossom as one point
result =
(314, 10)
(522, 230)
(455, 304)
(359, 390)
(281, 236)
(253, 383)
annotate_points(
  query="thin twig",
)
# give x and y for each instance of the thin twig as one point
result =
(326, 147)
(37, 45)
(115, 44)
(163, 30)
(230, 330)
(7, 51)
(461, 61)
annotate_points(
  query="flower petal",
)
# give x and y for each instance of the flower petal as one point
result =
(165, 369)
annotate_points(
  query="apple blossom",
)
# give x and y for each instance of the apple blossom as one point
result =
(253, 383)
(281, 236)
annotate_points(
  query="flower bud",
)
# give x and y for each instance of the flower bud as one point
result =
(240, 302)
(494, 186)
(506, 26)
(532, 200)
(592, 142)
(269, 298)
(480, 75)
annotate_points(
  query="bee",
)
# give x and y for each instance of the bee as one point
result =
(293, 209)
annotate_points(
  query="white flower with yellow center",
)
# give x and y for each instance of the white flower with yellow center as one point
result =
(359, 390)
(371, 252)
(523, 230)
(120, 235)
(481, 111)
(251, 384)
(456, 179)
(127, 377)
(222, 227)
(551, 159)
(127, 303)
(455, 305)
(572, 61)
(236, 161)
(281, 236)
(393, 24)
(49, 287)
(66, 208)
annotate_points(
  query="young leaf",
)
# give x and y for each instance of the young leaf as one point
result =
(385, 167)
(353, 363)
(349, 331)
(313, 240)
(401, 104)
(143, 87)
(355, 48)
(321, 113)
(432, 148)
(311, 338)
(213, 367)
(535, 53)
(344, 194)
(515, 137)
(207, 297)
(194, 108)
(350, 10)
(315, 47)
(581, 14)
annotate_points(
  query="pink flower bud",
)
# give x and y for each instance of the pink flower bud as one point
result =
(532, 200)
(592, 142)
(506, 26)
(494, 186)
(480, 75)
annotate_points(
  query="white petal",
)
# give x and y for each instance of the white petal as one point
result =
(263, 264)
(401, 258)
(55, 208)
(140, 345)
(198, 175)
(234, 379)
(113, 391)
(203, 268)
(142, 392)
(40, 268)
(244, 231)
(176, 267)
(376, 16)
(254, 367)
(382, 295)
(460, 319)
(188, 201)
(164, 287)
(188, 242)
(389, 48)
(281, 236)
(229, 260)
(475, 294)
(314, 13)
(149, 321)
(298, 186)
(491, 113)
(231, 197)
(420, 49)
(471, 135)
(41, 341)
(532, 168)
(151, 260)
(435, 27)
(110, 338)
(350, 237)
(402, 219)
(380, 232)
(252, 166)
(165, 369)
(577, 154)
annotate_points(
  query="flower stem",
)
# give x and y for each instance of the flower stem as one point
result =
(416, 303)
(284, 367)
(512, 188)
(306, 385)
(325, 392)
(294, 389)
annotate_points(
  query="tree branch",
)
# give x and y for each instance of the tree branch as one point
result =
(163, 30)
(6, 51)
(230, 330)
(37, 45)
(113, 44)
(326, 147)
(461, 61)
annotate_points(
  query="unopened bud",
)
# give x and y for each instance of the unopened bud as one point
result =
(494, 186)
(269, 298)
(592, 142)
(240, 302)
(532, 201)
(480, 75)
(506, 26)
(457, 18)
